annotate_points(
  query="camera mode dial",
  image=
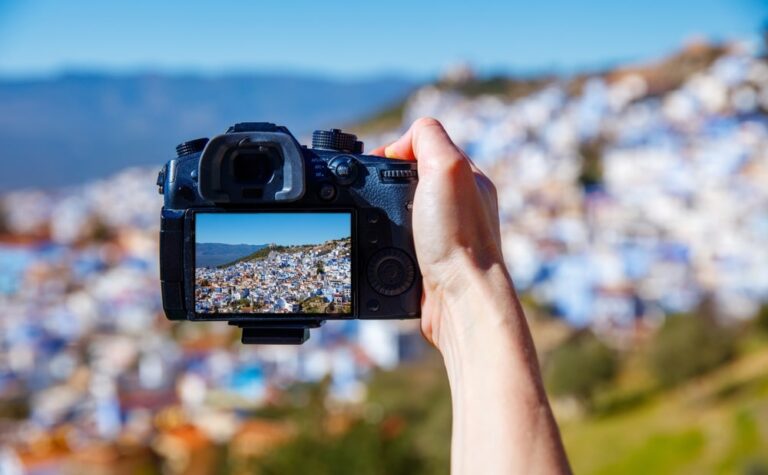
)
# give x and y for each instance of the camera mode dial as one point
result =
(335, 139)
(190, 147)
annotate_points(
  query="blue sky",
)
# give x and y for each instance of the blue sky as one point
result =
(354, 38)
(269, 228)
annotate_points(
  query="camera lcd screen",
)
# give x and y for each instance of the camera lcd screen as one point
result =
(273, 263)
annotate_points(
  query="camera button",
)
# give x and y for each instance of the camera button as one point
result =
(344, 169)
(327, 192)
(187, 193)
(373, 217)
(391, 272)
(372, 237)
(373, 305)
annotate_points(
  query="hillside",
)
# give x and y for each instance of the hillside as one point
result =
(619, 204)
(96, 124)
(210, 254)
(603, 170)
(715, 424)
(661, 76)
(265, 250)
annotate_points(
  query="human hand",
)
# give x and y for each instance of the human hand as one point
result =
(502, 422)
(455, 226)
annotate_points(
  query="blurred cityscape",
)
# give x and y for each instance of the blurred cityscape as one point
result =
(625, 196)
(286, 279)
(631, 195)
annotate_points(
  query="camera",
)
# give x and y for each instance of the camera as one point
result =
(277, 237)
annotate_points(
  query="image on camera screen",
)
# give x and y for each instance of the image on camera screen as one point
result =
(268, 263)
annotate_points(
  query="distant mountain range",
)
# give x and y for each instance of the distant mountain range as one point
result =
(210, 254)
(78, 127)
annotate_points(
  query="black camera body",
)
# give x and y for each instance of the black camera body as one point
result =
(275, 237)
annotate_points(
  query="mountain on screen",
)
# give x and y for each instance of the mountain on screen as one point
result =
(212, 254)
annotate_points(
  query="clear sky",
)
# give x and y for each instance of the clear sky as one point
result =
(356, 38)
(271, 228)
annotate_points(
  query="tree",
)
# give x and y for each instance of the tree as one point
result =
(690, 345)
(357, 445)
(4, 227)
(591, 174)
(579, 367)
(761, 318)
(99, 230)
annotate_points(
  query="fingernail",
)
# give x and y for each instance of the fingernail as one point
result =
(389, 153)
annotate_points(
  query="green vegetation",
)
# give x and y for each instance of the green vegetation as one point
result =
(579, 367)
(314, 305)
(360, 449)
(660, 77)
(704, 426)
(318, 304)
(262, 253)
(403, 428)
(660, 453)
(14, 407)
(506, 87)
(4, 228)
(389, 118)
(761, 319)
(591, 173)
(242, 304)
(690, 345)
(99, 231)
(672, 72)
(716, 424)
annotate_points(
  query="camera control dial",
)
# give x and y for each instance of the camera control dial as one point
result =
(391, 272)
(335, 139)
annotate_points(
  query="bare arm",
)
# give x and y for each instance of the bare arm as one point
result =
(502, 422)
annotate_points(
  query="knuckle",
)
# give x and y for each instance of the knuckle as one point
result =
(423, 122)
(453, 166)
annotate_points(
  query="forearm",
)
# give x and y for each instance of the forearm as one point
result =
(502, 420)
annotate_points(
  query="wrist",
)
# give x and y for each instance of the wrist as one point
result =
(483, 329)
(477, 300)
